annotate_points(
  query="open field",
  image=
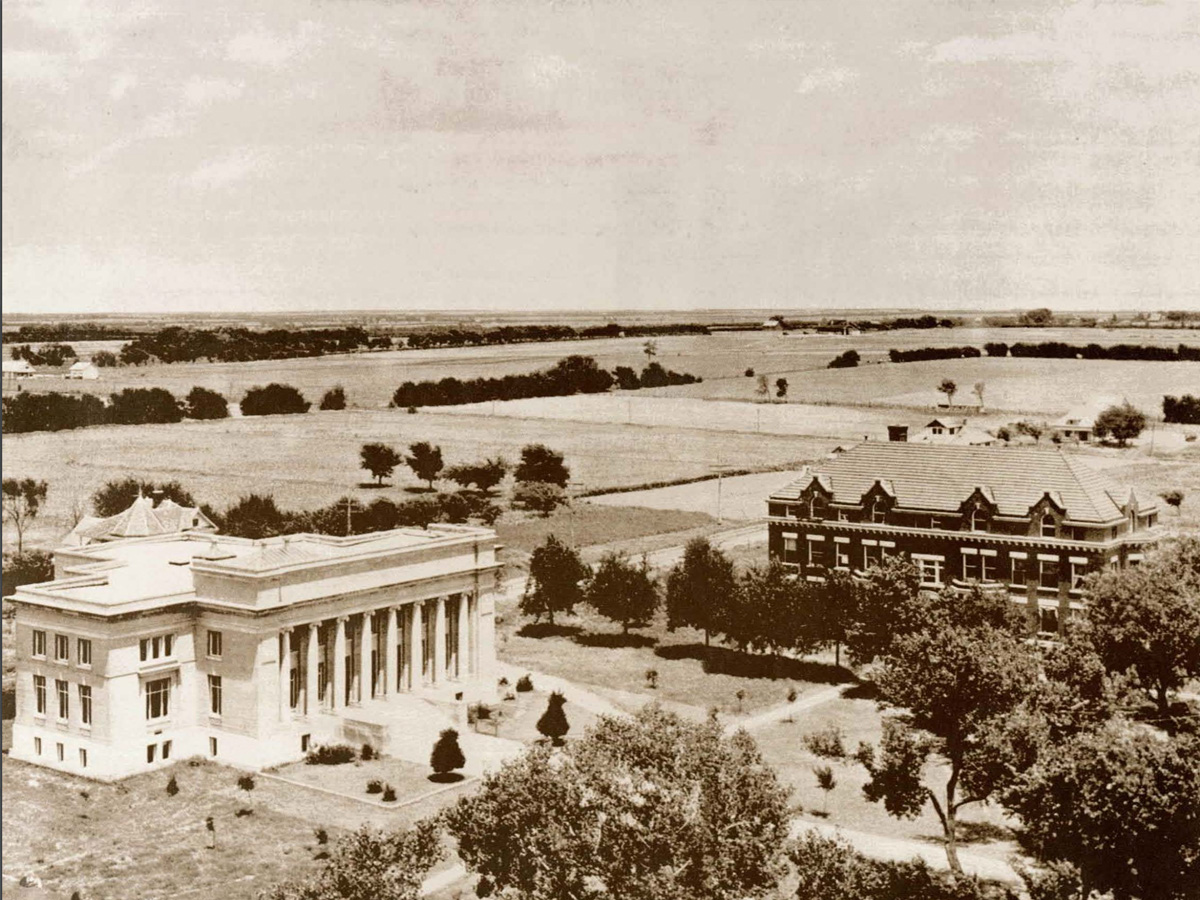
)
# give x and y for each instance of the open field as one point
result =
(370, 378)
(312, 459)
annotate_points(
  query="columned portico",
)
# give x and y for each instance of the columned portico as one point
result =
(390, 652)
(285, 674)
(439, 642)
(463, 657)
(312, 691)
(339, 664)
(416, 656)
(364, 659)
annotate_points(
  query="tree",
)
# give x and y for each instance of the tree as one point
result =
(273, 400)
(699, 588)
(847, 360)
(1173, 497)
(765, 612)
(23, 499)
(255, 516)
(762, 387)
(781, 388)
(117, 496)
(885, 605)
(557, 580)
(978, 390)
(104, 359)
(540, 463)
(334, 398)
(650, 348)
(958, 691)
(1147, 619)
(30, 567)
(553, 723)
(372, 865)
(447, 755)
(484, 475)
(949, 388)
(201, 403)
(1034, 430)
(645, 807)
(1123, 421)
(826, 782)
(143, 406)
(1037, 318)
(1120, 805)
(538, 496)
(627, 378)
(245, 782)
(379, 459)
(623, 592)
(425, 460)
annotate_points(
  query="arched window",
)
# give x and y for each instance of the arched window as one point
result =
(1049, 526)
(879, 511)
(979, 519)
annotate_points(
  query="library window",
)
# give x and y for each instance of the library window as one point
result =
(1017, 573)
(39, 694)
(872, 555)
(816, 554)
(85, 704)
(158, 698)
(37, 746)
(157, 647)
(971, 567)
(841, 555)
(1078, 571)
(62, 689)
(214, 645)
(791, 551)
(930, 569)
(83, 648)
(82, 758)
(879, 512)
(39, 643)
(151, 752)
(62, 645)
(214, 694)
(987, 567)
(979, 520)
(212, 746)
(60, 751)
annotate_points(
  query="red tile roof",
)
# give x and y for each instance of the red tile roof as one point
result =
(940, 478)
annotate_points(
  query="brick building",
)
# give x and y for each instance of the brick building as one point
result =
(1033, 521)
(144, 650)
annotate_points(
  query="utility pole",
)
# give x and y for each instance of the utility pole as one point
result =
(571, 505)
(349, 507)
(720, 469)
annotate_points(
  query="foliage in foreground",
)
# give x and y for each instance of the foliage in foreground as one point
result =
(646, 808)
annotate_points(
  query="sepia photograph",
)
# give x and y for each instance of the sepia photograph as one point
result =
(586, 449)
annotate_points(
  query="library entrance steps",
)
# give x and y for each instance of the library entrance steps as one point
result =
(406, 726)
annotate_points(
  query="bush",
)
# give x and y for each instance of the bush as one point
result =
(478, 712)
(330, 755)
(52, 411)
(541, 465)
(749, 373)
(1184, 410)
(922, 354)
(201, 403)
(374, 786)
(524, 684)
(274, 400)
(553, 723)
(389, 794)
(367, 753)
(539, 497)
(143, 406)
(447, 755)
(826, 742)
(172, 787)
(847, 360)
(334, 398)
(29, 567)
(321, 835)
(996, 348)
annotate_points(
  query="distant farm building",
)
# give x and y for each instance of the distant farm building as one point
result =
(84, 371)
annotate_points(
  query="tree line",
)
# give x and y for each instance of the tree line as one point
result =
(571, 375)
(67, 331)
(1184, 410)
(1052, 350)
(920, 354)
(518, 334)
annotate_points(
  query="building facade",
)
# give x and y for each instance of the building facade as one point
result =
(1033, 522)
(146, 650)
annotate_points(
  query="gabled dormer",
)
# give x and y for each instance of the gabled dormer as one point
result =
(878, 501)
(977, 510)
(1046, 516)
(815, 498)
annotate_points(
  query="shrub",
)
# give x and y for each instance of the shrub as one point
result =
(412, 410)
(334, 398)
(478, 712)
(540, 464)
(524, 684)
(321, 835)
(447, 755)
(143, 406)
(367, 753)
(201, 403)
(330, 755)
(540, 497)
(826, 742)
(172, 787)
(792, 695)
(847, 360)
(374, 786)
(29, 567)
(996, 348)
(553, 723)
(652, 678)
(273, 400)
(749, 373)
(389, 794)
(1184, 410)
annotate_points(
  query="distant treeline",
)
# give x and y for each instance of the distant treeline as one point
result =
(68, 331)
(838, 326)
(572, 375)
(1053, 350)
(925, 353)
(1185, 410)
(520, 334)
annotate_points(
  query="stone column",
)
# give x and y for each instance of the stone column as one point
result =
(389, 652)
(416, 665)
(439, 642)
(312, 689)
(364, 659)
(285, 674)
(464, 644)
(339, 665)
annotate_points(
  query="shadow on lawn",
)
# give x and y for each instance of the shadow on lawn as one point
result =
(614, 641)
(727, 661)
(545, 629)
(974, 833)
(447, 777)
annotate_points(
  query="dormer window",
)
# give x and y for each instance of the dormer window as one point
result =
(1049, 526)
(879, 512)
(979, 519)
(816, 507)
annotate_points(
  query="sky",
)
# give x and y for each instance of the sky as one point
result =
(168, 155)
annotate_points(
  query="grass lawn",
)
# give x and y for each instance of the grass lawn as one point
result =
(408, 779)
(518, 718)
(132, 840)
(984, 827)
(592, 651)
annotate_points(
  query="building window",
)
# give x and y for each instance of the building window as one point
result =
(82, 758)
(841, 555)
(971, 568)
(1049, 526)
(37, 746)
(156, 647)
(930, 568)
(166, 754)
(214, 694)
(843, 516)
(85, 704)
(151, 752)
(1048, 621)
(872, 555)
(816, 554)
(83, 648)
(39, 644)
(791, 550)
(987, 565)
(879, 512)
(212, 746)
(979, 520)
(1048, 573)
(158, 698)
(60, 751)
(64, 698)
(62, 648)
(1078, 571)
(39, 694)
(305, 740)
(1017, 575)
(816, 507)
(214, 645)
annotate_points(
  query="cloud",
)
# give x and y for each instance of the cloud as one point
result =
(227, 169)
(204, 91)
(822, 79)
(36, 68)
(264, 48)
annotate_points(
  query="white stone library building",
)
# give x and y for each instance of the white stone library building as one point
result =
(179, 642)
